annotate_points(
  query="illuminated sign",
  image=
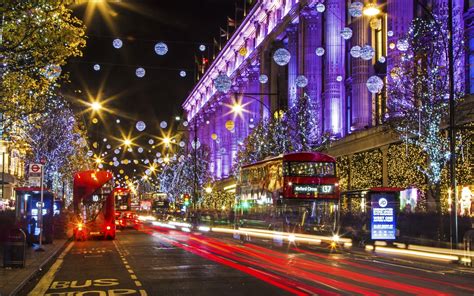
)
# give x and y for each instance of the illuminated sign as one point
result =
(312, 189)
(383, 224)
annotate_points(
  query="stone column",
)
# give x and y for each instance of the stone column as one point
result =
(334, 106)
(312, 64)
(292, 33)
(361, 100)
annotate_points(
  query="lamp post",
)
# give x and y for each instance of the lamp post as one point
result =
(237, 108)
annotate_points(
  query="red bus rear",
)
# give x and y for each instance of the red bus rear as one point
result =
(292, 192)
(94, 205)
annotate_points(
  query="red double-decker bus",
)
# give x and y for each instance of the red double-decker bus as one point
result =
(94, 205)
(123, 199)
(291, 192)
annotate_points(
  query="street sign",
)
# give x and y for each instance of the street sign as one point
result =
(36, 168)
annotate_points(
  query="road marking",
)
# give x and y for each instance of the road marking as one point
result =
(143, 293)
(48, 278)
(130, 271)
(134, 277)
(127, 266)
(138, 283)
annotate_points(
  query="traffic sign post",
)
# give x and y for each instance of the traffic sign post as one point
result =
(35, 170)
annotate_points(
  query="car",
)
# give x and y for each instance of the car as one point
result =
(127, 220)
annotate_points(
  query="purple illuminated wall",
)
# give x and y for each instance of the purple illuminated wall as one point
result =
(337, 82)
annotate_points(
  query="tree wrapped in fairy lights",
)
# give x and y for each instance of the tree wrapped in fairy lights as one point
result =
(177, 175)
(418, 87)
(303, 124)
(56, 138)
(37, 37)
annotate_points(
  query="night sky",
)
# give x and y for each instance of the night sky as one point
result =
(140, 24)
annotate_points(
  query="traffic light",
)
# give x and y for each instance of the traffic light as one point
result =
(186, 199)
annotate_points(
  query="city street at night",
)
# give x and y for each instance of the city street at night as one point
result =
(158, 261)
(236, 147)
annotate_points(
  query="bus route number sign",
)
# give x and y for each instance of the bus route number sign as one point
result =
(383, 224)
(312, 189)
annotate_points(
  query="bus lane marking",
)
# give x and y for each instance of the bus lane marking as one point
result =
(130, 270)
(47, 279)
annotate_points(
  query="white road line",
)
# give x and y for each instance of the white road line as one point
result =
(48, 278)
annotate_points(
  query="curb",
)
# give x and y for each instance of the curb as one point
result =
(39, 269)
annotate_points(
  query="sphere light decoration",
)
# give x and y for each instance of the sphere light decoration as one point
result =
(391, 45)
(382, 59)
(130, 149)
(117, 121)
(320, 51)
(402, 44)
(114, 159)
(116, 163)
(151, 141)
(95, 120)
(140, 72)
(182, 73)
(196, 144)
(96, 67)
(389, 33)
(182, 144)
(161, 48)
(320, 7)
(116, 151)
(222, 83)
(185, 123)
(243, 51)
(374, 84)
(263, 79)
(301, 81)
(214, 136)
(202, 47)
(108, 146)
(147, 171)
(140, 150)
(158, 154)
(281, 56)
(355, 9)
(229, 125)
(140, 126)
(367, 52)
(223, 150)
(346, 33)
(339, 78)
(100, 166)
(117, 43)
(52, 71)
(160, 160)
(163, 124)
(355, 51)
(90, 153)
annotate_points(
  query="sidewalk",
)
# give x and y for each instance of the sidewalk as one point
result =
(12, 279)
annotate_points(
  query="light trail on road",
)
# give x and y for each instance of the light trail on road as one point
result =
(305, 271)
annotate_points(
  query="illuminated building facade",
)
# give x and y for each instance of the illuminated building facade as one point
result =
(337, 81)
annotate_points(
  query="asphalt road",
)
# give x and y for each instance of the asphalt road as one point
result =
(157, 261)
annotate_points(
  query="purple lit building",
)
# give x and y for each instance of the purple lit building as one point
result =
(336, 80)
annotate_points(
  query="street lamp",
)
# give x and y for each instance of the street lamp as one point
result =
(127, 142)
(237, 108)
(166, 141)
(96, 106)
(371, 9)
